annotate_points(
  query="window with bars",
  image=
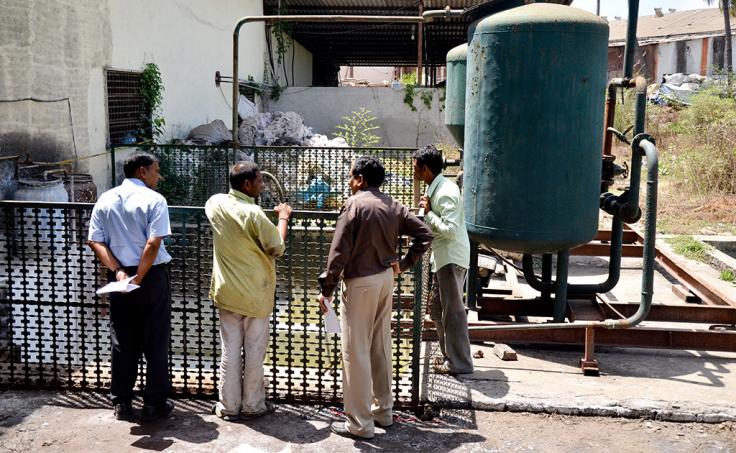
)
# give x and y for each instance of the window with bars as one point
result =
(126, 116)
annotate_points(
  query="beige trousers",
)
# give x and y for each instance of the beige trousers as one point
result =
(241, 385)
(366, 351)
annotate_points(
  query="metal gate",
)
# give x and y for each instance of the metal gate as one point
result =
(54, 328)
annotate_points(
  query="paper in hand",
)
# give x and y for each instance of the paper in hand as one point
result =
(123, 286)
(332, 324)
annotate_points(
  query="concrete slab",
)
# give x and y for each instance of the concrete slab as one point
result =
(659, 384)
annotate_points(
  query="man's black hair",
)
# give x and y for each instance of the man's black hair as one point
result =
(430, 157)
(137, 160)
(242, 171)
(371, 169)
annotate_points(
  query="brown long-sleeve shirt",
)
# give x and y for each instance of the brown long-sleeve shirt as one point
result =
(367, 235)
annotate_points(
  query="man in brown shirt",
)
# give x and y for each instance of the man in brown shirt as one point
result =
(364, 252)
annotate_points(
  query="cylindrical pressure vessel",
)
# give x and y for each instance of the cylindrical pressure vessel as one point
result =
(536, 79)
(455, 92)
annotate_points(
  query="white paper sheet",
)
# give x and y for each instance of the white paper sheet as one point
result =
(123, 286)
(332, 323)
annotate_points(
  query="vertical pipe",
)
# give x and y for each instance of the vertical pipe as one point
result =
(563, 257)
(419, 288)
(631, 43)
(112, 167)
(236, 93)
(471, 285)
(546, 276)
(420, 44)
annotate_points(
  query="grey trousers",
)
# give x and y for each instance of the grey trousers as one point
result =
(447, 311)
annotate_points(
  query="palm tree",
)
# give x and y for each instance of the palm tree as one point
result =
(728, 7)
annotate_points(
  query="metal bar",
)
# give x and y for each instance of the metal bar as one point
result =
(687, 313)
(597, 249)
(641, 337)
(471, 284)
(678, 269)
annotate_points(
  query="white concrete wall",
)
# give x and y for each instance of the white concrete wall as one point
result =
(189, 40)
(324, 107)
(297, 64)
(667, 57)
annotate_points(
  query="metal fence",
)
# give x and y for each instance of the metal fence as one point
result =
(54, 327)
(313, 178)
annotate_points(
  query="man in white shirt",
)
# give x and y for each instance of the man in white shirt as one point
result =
(126, 232)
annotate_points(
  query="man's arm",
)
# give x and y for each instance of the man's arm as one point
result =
(150, 250)
(444, 217)
(106, 257)
(422, 239)
(340, 250)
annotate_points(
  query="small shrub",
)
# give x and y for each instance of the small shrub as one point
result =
(690, 248)
(358, 129)
(728, 275)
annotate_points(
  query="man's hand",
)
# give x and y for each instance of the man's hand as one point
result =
(425, 204)
(136, 280)
(121, 275)
(396, 268)
(283, 210)
(323, 301)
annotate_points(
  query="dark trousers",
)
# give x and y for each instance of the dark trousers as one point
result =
(140, 322)
(447, 310)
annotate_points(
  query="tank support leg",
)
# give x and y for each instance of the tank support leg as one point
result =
(560, 307)
(546, 277)
(588, 364)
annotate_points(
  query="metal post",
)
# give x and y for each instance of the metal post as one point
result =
(112, 164)
(417, 333)
(471, 285)
(420, 45)
(547, 277)
(560, 307)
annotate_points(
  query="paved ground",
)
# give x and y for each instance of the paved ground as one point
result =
(55, 422)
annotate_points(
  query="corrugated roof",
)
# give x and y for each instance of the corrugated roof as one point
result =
(379, 44)
(672, 26)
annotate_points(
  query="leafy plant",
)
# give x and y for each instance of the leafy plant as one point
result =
(728, 275)
(426, 96)
(151, 89)
(690, 248)
(358, 129)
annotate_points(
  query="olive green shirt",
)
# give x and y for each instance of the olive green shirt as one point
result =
(446, 219)
(246, 244)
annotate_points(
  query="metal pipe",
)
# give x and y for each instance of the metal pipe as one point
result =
(426, 16)
(546, 286)
(610, 117)
(631, 43)
(642, 144)
(560, 306)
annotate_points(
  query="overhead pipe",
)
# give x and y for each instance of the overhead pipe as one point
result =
(426, 16)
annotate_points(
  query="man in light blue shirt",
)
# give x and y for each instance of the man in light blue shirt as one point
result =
(450, 259)
(126, 232)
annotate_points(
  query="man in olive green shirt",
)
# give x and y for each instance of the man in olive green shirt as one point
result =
(450, 259)
(246, 245)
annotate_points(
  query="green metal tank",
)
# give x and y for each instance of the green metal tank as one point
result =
(455, 92)
(536, 78)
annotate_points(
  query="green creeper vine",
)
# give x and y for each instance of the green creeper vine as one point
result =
(409, 81)
(151, 90)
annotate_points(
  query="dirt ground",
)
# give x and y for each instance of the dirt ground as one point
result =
(33, 421)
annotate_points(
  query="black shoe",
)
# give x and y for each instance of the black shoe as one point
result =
(123, 411)
(381, 425)
(151, 413)
(340, 429)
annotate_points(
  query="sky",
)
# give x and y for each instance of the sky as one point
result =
(612, 8)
